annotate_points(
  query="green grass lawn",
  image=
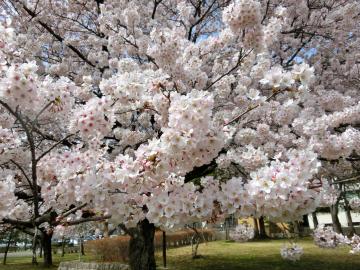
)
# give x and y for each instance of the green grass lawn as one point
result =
(261, 256)
(219, 255)
(24, 263)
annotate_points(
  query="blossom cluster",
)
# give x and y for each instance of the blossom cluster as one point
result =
(242, 233)
(21, 86)
(94, 119)
(9, 142)
(328, 194)
(18, 87)
(283, 190)
(190, 140)
(325, 237)
(247, 157)
(142, 93)
(291, 252)
(355, 204)
(280, 79)
(7, 188)
(234, 197)
(242, 14)
(355, 244)
(7, 40)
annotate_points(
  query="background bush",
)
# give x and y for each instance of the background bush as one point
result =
(116, 249)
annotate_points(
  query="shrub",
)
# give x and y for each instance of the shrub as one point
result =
(116, 249)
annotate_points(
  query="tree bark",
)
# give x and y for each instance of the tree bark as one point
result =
(46, 245)
(7, 247)
(82, 250)
(349, 218)
(305, 222)
(63, 247)
(141, 246)
(106, 229)
(164, 248)
(334, 209)
(34, 244)
(298, 228)
(262, 231)
(256, 228)
(227, 228)
(41, 250)
(315, 220)
(194, 249)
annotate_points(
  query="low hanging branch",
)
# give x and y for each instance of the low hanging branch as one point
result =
(83, 220)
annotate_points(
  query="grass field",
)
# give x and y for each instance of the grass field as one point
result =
(235, 256)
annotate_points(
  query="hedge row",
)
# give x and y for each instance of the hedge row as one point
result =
(116, 249)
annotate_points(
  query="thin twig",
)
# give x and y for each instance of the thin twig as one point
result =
(52, 147)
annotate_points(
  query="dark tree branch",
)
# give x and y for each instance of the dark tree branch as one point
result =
(83, 220)
(23, 172)
(52, 147)
(58, 37)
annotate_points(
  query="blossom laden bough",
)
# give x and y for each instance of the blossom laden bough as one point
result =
(152, 113)
(242, 233)
(325, 237)
(355, 204)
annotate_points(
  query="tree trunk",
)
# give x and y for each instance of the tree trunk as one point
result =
(349, 218)
(227, 228)
(164, 248)
(41, 250)
(63, 247)
(106, 229)
(256, 228)
(46, 245)
(305, 222)
(262, 231)
(34, 244)
(141, 246)
(194, 249)
(82, 250)
(334, 209)
(7, 247)
(298, 228)
(315, 220)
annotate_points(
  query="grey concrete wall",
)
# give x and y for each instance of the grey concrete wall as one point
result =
(92, 266)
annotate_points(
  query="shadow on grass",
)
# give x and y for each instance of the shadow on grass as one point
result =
(253, 262)
(260, 255)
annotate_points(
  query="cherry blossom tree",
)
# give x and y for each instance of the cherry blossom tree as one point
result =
(123, 110)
